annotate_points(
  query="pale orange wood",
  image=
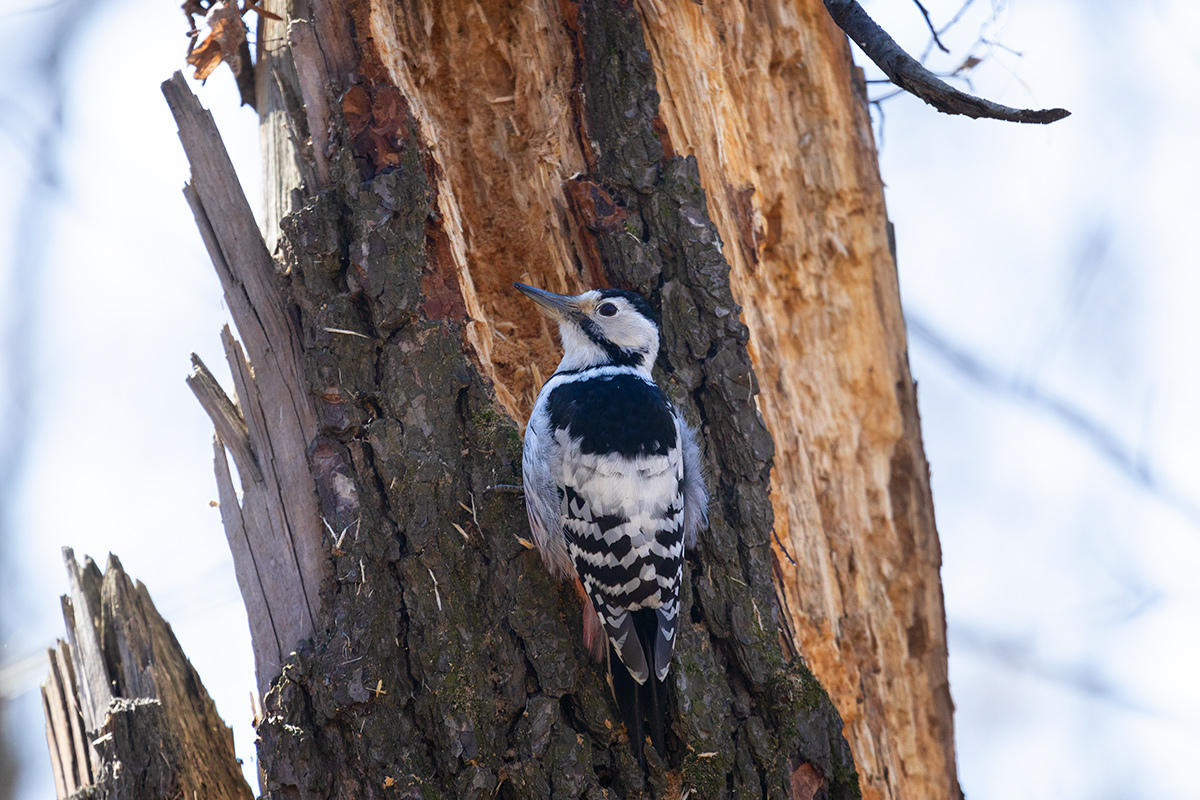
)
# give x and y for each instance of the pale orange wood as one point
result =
(504, 139)
(765, 96)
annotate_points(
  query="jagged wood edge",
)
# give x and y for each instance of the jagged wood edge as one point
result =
(280, 524)
(158, 731)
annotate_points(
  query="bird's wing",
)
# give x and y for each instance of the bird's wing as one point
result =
(664, 642)
(602, 547)
(695, 490)
(542, 496)
(669, 547)
(624, 528)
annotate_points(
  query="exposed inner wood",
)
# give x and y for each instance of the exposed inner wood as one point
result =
(763, 94)
(285, 167)
(503, 134)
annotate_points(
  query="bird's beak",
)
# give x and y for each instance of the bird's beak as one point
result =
(558, 305)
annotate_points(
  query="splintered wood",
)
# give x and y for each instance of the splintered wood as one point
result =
(126, 714)
(504, 139)
(71, 755)
(274, 532)
(765, 96)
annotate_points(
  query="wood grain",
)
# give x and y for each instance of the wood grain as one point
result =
(280, 522)
(766, 97)
(70, 753)
(157, 733)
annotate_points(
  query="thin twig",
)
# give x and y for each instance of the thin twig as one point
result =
(345, 332)
(932, 30)
(908, 73)
(436, 594)
(953, 21)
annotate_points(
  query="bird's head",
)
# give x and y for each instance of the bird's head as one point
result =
(601, 327)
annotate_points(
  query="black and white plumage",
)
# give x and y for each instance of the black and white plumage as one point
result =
(615, 490)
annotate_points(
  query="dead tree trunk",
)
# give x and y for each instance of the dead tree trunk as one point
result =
(127, 717)
(420, 156)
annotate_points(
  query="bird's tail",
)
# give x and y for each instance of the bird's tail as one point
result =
(643, 706)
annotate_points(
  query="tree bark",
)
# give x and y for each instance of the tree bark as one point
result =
(421, 156)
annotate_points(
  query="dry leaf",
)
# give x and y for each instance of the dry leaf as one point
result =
(969, 64)
(225, 40)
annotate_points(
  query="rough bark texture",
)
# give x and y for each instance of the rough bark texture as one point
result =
(444, 149)
(126, 715)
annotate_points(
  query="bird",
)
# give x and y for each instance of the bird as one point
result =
(615, 489)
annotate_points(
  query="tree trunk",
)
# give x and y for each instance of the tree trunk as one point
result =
(420, 156)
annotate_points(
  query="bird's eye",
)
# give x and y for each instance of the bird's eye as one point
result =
(607, 309)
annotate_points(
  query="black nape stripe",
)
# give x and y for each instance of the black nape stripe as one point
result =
(617, 356)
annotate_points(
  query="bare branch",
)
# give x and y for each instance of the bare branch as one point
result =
(908, 73)
(953, 21)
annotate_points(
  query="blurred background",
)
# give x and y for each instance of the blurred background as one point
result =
(1050, 280)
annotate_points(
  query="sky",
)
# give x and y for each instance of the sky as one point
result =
(1048, 275)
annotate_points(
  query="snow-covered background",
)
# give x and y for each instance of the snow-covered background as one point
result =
(1050, 278)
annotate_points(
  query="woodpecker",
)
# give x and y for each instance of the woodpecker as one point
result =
(615, 489)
